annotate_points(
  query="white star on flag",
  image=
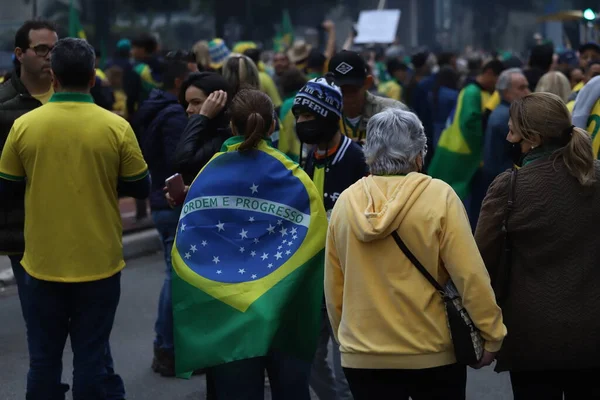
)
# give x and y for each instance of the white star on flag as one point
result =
(216, 260)
(241, 271)
(256, 241)
(280, 222)
(270, 266)
(204, 243)
(271, 229)
(253, 276)
(283, 232)
(265, 256)
(253, 254)
(244, 234)
(219, 272)
(254, 188)
(279, 255)
(294, 231)
(251, 219)
(242, 249)
(182, 227)
(193, 248)
(284, 242)
(188, 256)
(221, 226)
(290, 243)
(295, 237)
(287, 253)
(280, 247)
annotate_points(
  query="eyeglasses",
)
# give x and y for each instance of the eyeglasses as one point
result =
(42, 50)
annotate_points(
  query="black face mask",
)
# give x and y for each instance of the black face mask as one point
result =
(515, 153)
(316, 131)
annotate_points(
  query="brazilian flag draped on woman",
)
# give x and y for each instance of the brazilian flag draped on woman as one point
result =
(248, 258)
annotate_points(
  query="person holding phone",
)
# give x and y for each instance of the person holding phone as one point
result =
(159, 123)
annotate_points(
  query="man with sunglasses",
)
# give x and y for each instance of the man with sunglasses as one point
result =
(29, 87)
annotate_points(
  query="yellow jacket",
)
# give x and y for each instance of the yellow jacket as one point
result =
(384, 313)
(268, 86)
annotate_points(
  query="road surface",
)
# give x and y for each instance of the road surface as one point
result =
(132, 346)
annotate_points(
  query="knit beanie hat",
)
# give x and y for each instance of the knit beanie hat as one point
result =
(219, 52)
(320, 97)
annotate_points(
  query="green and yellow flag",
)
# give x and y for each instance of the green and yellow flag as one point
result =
(285, 34)
(75, 27)
(459, 152)
(248, 258)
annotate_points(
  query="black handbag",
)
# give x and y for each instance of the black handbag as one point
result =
(467, 341)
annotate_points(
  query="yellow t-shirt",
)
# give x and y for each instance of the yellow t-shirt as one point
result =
(578, 87)
(493, 101)
(73, 225)
(391, 89)
(268, 86)
(44, 97)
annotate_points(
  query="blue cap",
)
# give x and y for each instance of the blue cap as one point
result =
(320, 97)
(568, 57)
(124, 44)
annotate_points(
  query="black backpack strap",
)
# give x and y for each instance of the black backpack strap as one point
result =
(418, 264)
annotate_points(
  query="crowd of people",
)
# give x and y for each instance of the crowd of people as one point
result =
(490, 186)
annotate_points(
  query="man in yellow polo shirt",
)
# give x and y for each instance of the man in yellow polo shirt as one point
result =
(75, 158)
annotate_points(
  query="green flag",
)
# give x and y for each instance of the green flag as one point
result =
(75, 27)
(285, 34)
(248, 260)
(459, 152)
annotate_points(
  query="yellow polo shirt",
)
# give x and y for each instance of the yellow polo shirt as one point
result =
(72, 154)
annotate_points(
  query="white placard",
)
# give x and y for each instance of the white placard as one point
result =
(377, 26)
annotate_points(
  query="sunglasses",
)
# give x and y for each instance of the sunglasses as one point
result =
(42, 50)
(180, 55)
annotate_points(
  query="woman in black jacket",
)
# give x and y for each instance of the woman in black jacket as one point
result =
(206, 96)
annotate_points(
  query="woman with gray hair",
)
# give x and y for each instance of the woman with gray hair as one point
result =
(389, 320)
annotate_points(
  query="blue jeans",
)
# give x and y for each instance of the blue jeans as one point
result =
(166, 223)
(85, 312)
(245, 379)
(328, 384)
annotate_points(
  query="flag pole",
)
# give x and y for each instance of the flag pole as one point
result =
(381, 5)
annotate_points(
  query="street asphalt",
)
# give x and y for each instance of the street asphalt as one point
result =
(132, 345)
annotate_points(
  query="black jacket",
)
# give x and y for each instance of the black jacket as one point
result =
(200, 141)
(15, 101)
(159, 123)
(341, 170)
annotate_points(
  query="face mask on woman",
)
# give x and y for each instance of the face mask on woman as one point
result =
(516, 155)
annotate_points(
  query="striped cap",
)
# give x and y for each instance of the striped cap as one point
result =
(219, 52)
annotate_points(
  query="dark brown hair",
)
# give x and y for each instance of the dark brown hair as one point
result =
(545, 116)
(251, 116)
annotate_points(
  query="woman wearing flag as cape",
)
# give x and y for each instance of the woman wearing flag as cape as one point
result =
(249, 263)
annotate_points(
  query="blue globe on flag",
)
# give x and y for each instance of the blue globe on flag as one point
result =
(238, 227)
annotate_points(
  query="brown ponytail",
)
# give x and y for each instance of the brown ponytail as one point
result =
(251, 116)
(579, 157)
(545, 117)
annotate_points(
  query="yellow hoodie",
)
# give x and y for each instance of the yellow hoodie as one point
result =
(384, 313)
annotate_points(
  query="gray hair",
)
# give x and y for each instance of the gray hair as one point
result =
(73, 63)
(394, 140)
(505, 78)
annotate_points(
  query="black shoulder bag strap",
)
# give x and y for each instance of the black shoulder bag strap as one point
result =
(504, 270)
(418, 264)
